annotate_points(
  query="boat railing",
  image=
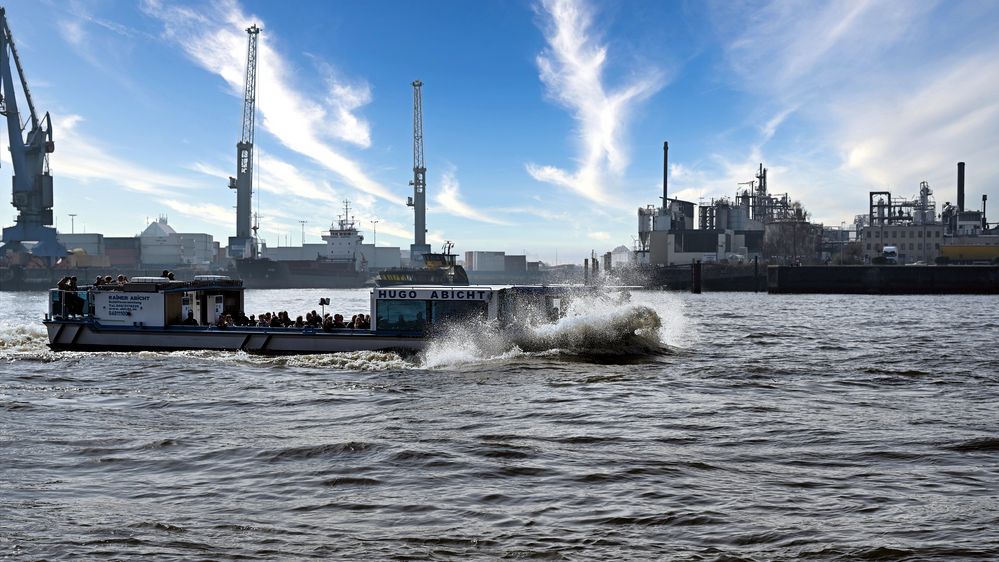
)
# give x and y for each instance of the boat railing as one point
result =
(65, 304)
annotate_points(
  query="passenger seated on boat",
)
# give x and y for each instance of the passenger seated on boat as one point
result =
(122, 279)
(353, 322)
(299, 323)
(190, 321)
(338, 321)
(276, 322)
(241, 319)
(328, 323)
(108, 280)
(165, 273)
(99, 281)
(170, 276)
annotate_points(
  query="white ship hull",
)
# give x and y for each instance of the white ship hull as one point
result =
(87, 336)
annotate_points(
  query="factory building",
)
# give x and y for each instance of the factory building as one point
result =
(161, 245)
(920, 236)
(753, 224)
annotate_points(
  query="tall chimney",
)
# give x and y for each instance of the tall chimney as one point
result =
(665, 169)
(960, 186)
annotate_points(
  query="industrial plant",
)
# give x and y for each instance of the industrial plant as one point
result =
(731, 237)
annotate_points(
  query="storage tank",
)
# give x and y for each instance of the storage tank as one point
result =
(645, 225)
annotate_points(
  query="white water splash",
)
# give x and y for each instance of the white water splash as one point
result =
(25, 342)
(593, 327)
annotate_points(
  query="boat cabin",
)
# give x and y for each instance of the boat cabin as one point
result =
(150, 301)
(417, 308)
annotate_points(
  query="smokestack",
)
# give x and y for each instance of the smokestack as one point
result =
(665, 168)
(960, 186)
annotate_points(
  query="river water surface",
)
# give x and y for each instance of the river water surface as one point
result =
(767, 427)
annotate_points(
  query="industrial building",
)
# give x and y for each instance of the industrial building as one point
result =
(755, 224)
(913, 227)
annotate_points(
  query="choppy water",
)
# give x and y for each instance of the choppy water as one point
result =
(771, 427)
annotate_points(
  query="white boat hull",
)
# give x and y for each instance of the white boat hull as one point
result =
(86, 336)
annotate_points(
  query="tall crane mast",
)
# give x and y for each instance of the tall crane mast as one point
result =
(244, 245)
(419, 199)
(32, 182)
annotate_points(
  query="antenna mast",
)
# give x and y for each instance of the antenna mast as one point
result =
(243, 244)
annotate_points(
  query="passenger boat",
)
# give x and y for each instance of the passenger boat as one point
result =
(148, 313)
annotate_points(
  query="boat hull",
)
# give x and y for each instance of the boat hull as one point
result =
(86, 336)
(299, 274)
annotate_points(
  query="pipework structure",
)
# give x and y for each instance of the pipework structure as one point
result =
(419, 199)
(243, 245)
(883, 209)
(32, 180)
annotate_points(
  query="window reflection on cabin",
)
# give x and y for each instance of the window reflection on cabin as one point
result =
(457, 310)
(401, 315)
(416, 315)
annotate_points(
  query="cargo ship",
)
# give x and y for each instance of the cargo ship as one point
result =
(341, 265)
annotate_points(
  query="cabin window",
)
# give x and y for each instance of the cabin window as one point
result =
(401, 315)
(457, 310)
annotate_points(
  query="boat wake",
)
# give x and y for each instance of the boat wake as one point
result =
(25, 343)
(593, 330)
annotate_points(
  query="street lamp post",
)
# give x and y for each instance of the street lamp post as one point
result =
(72, 223)
(374, 230)
(303, 231)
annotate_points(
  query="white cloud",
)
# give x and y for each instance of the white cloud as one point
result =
(888, 93)
(86, 159)
(602, 236)
(215, 39)
(572, 70)
(214, 214)
(449, 199)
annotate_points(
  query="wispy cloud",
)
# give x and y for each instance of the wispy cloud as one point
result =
(889, 93)
(214, 37)
(86, 159)
(448, 197)
(572, 70)
(214, 214)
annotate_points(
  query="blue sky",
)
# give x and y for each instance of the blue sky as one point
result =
(543, 120)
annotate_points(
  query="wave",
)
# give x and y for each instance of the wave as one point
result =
(593, 329)
(25, 342)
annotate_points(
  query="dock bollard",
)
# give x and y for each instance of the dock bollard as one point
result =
(756, 274)
(695, 277)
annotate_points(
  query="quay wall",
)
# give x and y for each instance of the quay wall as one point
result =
(884, 279)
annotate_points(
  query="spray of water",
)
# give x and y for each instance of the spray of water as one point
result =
(598, 328)
(25, 342)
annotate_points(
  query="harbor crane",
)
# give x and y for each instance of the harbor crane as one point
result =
(419, 199)
(244, 244)
(32, 181)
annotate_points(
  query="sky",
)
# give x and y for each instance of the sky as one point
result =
(543, 121)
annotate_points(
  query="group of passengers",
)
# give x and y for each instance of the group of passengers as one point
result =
(312, 320)
(327, 322)
(108, 280)
(121, 279)
(73, 302)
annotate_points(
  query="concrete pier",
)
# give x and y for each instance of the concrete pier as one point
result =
(884, 279)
